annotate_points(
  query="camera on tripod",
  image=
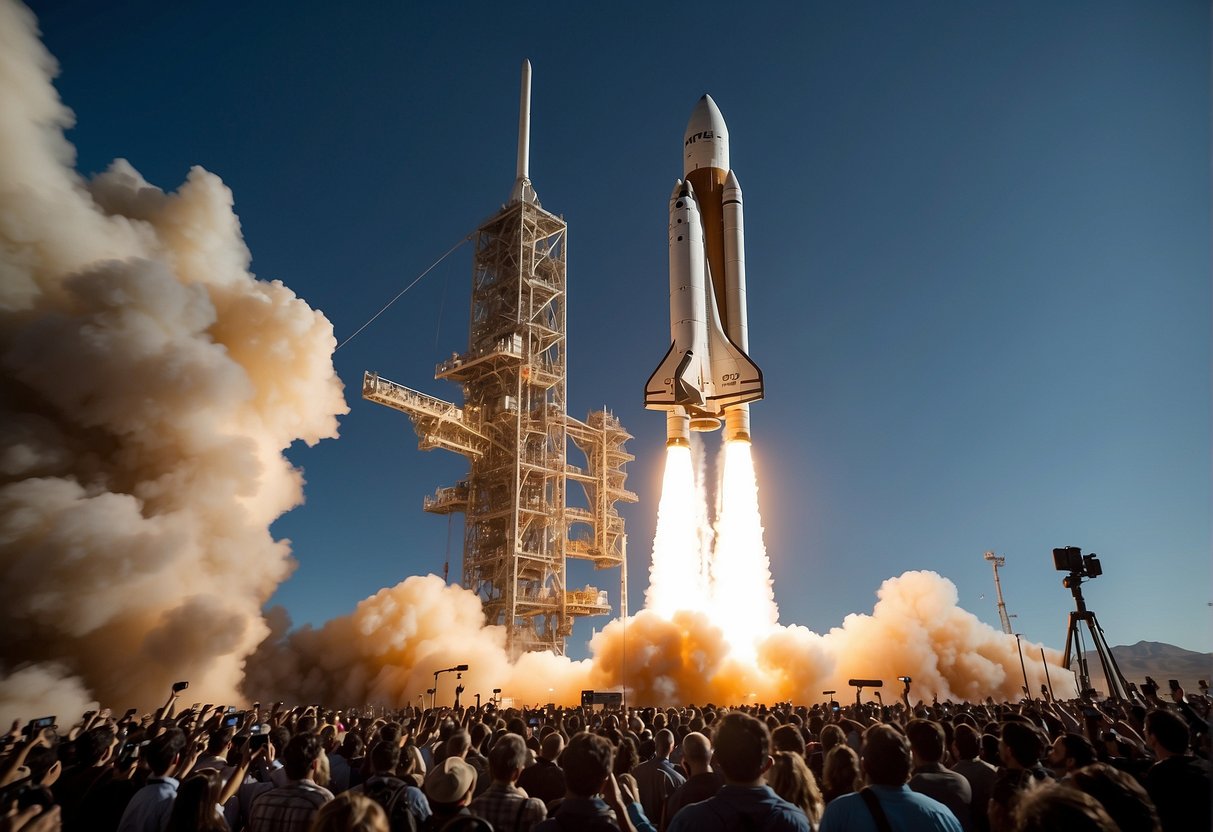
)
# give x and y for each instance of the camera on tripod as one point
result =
(1071, 559)
(1080, 567)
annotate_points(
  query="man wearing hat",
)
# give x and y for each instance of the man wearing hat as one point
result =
(449, 787)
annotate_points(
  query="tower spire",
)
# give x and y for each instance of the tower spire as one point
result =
(523, 190)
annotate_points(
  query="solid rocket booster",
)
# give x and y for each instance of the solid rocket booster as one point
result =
(706, 375)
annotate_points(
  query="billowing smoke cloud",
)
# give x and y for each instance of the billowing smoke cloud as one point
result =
(916, 629)
(149, 386)
(387, 650)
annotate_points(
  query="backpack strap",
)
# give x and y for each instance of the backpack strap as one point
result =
(522, 804)
(878, 815)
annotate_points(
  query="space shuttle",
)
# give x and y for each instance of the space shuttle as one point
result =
(706, 376)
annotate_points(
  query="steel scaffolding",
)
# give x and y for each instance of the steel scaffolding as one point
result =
(514, 428)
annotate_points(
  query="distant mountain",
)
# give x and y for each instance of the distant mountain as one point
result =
(1153, 658)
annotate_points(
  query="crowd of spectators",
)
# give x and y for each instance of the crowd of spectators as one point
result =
(1111, 766)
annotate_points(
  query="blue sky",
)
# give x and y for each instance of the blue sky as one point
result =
(978, 243)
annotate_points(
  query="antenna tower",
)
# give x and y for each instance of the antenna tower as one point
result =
(514, 428)
(1002, 605)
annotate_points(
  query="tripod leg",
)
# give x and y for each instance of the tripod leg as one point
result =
(1070, 633)
(1117, 686)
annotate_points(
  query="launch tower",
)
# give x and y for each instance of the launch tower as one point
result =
(519, 526)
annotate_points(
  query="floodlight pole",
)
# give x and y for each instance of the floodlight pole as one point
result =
(1019, 645)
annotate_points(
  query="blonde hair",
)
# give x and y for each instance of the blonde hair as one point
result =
(792, 780)
(323, 772)
(350, 812)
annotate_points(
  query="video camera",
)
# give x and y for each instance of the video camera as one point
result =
(1071, 559)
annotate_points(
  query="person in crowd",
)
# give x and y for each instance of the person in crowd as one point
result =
(788, 738)
(991, 749)
(1122, 796)
(545, 779)
(631, 799)
(592, 800)
(1179, 782)
(1068, 753)
(350, 813)
(218, 747)
(412, 768)
(323, 776)
(97, 765)
(458, 744)
(702, 781)
(432, 752)
(791, 779)
(841, 774)
(448, 788)
(405, 805)
(627, 756)
(343, 760)
(657, 778)
(1020, 748)
(503, 804)
(1054, 807)
(828, 738)
(196, 807)
(743, 746)
(966, 748)
(478, 733)
(291, 807)
(91, 771)
(887, 798)
(104, 804)
(930, 777)
(149, 809)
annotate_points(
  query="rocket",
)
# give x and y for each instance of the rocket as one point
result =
(706, 376)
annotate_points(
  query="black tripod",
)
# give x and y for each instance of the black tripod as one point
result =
(1117, 686)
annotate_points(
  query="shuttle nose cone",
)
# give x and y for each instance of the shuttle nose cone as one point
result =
(706, 142)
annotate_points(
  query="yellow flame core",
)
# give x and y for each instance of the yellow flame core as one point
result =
(741, 571)
(678, 578)
(723, 570)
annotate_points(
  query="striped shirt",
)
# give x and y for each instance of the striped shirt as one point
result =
(509, 808)
(288, 808)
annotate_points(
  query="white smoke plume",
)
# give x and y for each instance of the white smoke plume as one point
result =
(149, 385)
(387, 650)
(915, 629)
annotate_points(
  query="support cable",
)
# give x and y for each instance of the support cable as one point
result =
(416, 280)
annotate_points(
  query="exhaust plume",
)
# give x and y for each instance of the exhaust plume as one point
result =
(150, 384)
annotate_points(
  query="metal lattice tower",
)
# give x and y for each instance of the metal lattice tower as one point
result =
(514, 428)
(998, 561)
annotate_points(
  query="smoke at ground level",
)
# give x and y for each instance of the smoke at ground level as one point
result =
(387, 650)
